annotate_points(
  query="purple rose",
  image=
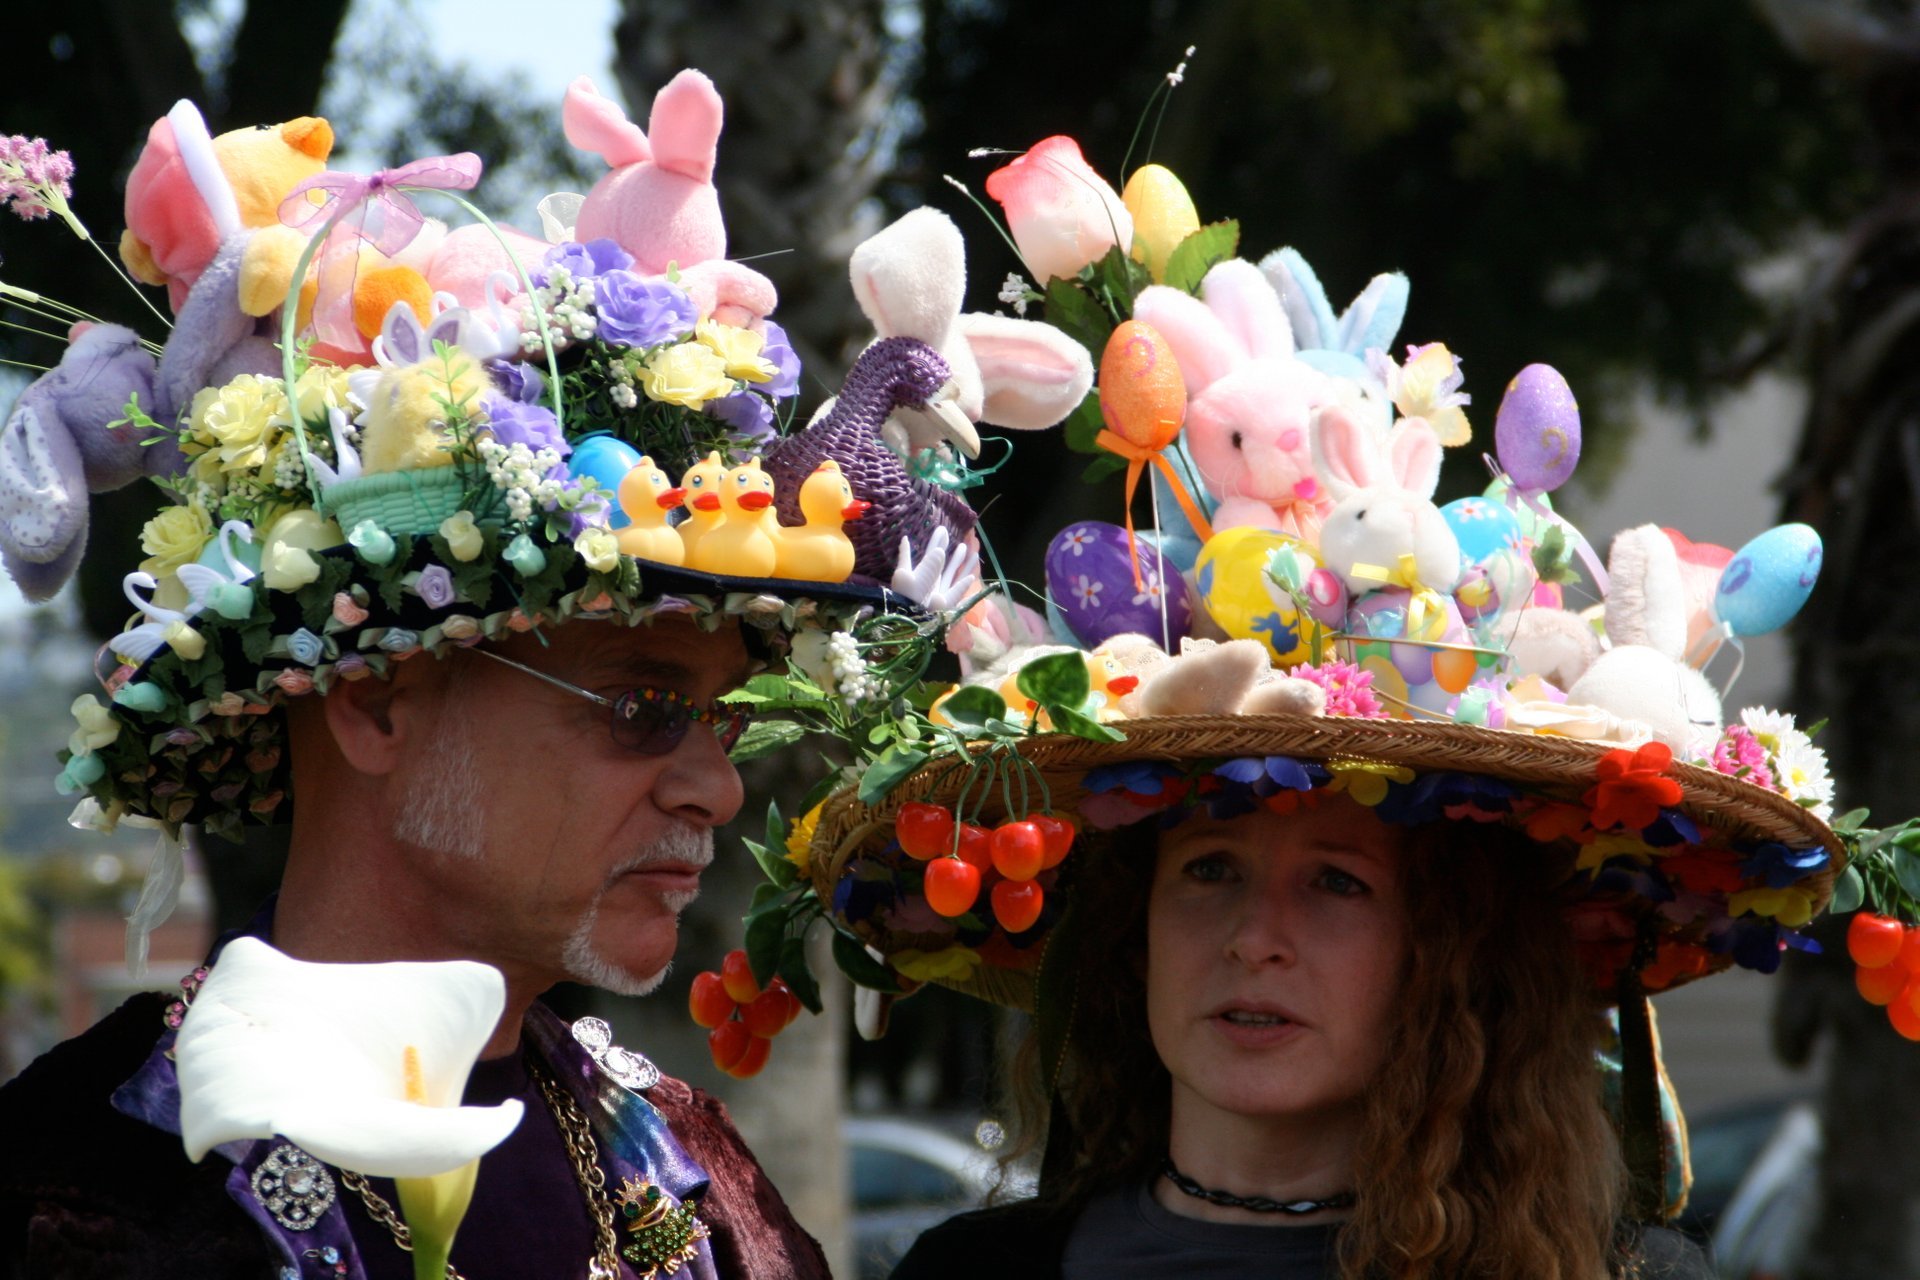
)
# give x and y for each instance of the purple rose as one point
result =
(533, 425)
(583, 261)
(435, 586)
(779, 352)
(517, 380)
(746, 413)
(641, 313)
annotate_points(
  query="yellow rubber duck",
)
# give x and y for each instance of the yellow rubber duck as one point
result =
(818, 549)
(745, 545)
(647, 495)
(702, 483)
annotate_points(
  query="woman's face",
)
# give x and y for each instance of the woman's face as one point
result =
(1275, 947)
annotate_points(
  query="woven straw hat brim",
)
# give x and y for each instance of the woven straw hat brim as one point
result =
(1566, 766)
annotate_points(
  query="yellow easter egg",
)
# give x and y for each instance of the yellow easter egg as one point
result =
(1142, 397)
(1163, 216)
(1231, 574)
(1388, 683)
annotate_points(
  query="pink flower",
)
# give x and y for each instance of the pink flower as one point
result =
(350, 667)
(1349, 688)
(1062, 214)
(518, 621)
(1740, 755)
(33, 178)
(294, 681)
(347, 611)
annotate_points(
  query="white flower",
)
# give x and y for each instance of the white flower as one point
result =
(463, 536)
(600, 548)
(1078, 540)
(1151, 588)
(1087, 591)
(1013, 292)
(1799, 767)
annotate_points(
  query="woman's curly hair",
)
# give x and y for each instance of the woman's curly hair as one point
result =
(1485, 1150)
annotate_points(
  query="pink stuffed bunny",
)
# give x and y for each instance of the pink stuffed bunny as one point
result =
(1383, 529)
(659, 203)
(1249, 400)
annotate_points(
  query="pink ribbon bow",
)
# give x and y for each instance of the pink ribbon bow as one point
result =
(365, 209)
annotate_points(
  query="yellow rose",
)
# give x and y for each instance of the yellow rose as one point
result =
(97, 726)
(243, 419)
(174, 537)
(600, 548)
(689, 374)
(320, 388)
(462, 535)
(738, 348)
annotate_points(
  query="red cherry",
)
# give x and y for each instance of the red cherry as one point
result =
(737, 974)
(924, 830)
(708, 1001)
(1880, 986)
(752, 1059)
(766, 1014)
(1018, 850)
(1057, 834)
(728, 1043)
(793, 1001)
(1016, 904)
(952, 886)
(1873, 940)
(1900, 1013)
(1909, 949)
(976, 847)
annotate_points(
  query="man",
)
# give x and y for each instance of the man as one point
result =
(483, 806)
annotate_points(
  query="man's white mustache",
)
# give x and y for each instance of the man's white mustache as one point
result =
(680, 845)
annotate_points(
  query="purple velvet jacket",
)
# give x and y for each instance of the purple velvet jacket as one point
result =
(94, 1181)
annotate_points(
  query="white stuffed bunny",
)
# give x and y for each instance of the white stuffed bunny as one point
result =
(1382, 481)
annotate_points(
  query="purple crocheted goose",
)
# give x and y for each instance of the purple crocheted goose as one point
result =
(892, 372)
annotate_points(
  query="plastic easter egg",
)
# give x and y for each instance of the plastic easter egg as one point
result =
(1537, 431)
(1143, 399)
(1482, 526)
(1768, 580)
(1090, 581)
(1249, 602)
(607, 459)
(1419, 630)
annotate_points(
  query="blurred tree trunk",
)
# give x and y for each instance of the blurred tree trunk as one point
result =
(1857, 480)
(808, 89)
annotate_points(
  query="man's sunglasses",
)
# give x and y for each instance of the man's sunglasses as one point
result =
(649, 719)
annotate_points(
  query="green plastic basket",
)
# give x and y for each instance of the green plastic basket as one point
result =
(411, 502)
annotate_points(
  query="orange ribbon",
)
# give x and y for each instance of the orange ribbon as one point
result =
(1137, 460)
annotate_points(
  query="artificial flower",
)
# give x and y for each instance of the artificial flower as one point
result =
(347, 611)
(35, 180)
(582, 260)
(460, 627)
(294, 681)
(399, 640)
(240, 421)
(305, 648)
(636, 312)
(600, 549)
(1799, 767)
(1366, 780)
(954, 963)
(777, 351)
(175, 537)
(800, 838)
(1349, 688)
(688, 374)
(1062, 214)
(521, 422)
(1428, 386)
(1703, 872)
(287, 568)
(1781, 867)
(1674, 961)
(1604, 848)
(748, 414)
(1739, 754)
(434, 586)
(98, 727)
(385, 1051)
(464, 540)
(739, 349)
(1632, 787)
(1790, 906)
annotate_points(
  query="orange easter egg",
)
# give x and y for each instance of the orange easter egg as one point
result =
(1142, 397)
(1453, 669)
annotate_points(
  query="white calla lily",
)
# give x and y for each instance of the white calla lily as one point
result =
(362, 1065)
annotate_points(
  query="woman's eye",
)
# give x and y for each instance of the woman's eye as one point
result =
(1339, 882)
(1208, 868)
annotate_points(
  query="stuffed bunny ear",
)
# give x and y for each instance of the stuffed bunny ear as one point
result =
(1373, 318)
(596, 123)
(1413, 453)
(1200, 342)
(1646, 600)
(685, 125)
(43, 495)
(1345, 455)
(1032, 375)
(1247, 305)
(1302, 297)
(911, 277)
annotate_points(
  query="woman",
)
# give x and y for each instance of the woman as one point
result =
(1377, 1035)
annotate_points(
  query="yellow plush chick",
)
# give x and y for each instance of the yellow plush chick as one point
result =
(702, 483)
(405, 425)
(646, 495)
(744, 544)
(1111, 681)
(819, 550)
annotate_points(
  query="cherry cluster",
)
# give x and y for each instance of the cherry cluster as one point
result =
(743, 1017)
(962, 856)
(1887, 954)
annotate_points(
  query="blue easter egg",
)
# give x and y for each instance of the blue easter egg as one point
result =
(1482, 526)
(607, 460)
(1768, 580)
(1090, 583)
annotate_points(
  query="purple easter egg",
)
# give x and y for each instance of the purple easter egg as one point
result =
(1090, 580)
(1537, 431)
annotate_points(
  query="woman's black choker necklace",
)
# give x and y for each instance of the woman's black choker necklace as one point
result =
(1253, 1204)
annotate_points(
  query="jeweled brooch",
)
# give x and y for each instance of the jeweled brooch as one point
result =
(662, 1234)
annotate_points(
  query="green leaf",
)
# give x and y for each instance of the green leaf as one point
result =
(1851, 820)
(851, 955)
(776, 827)
(773, 863)
(1067, 720)
(1193, 257)
(1075, 312)
(1906, 869)
(766, 927)
(764, 737)
(1119, 280)
(793, 967)
(1084, 425)
(973, 708)
(883, 774)
(1849, 891)
(763, 893)
(1057, 680)
(1103, 468)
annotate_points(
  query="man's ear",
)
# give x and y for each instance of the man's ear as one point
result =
(376, 722)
